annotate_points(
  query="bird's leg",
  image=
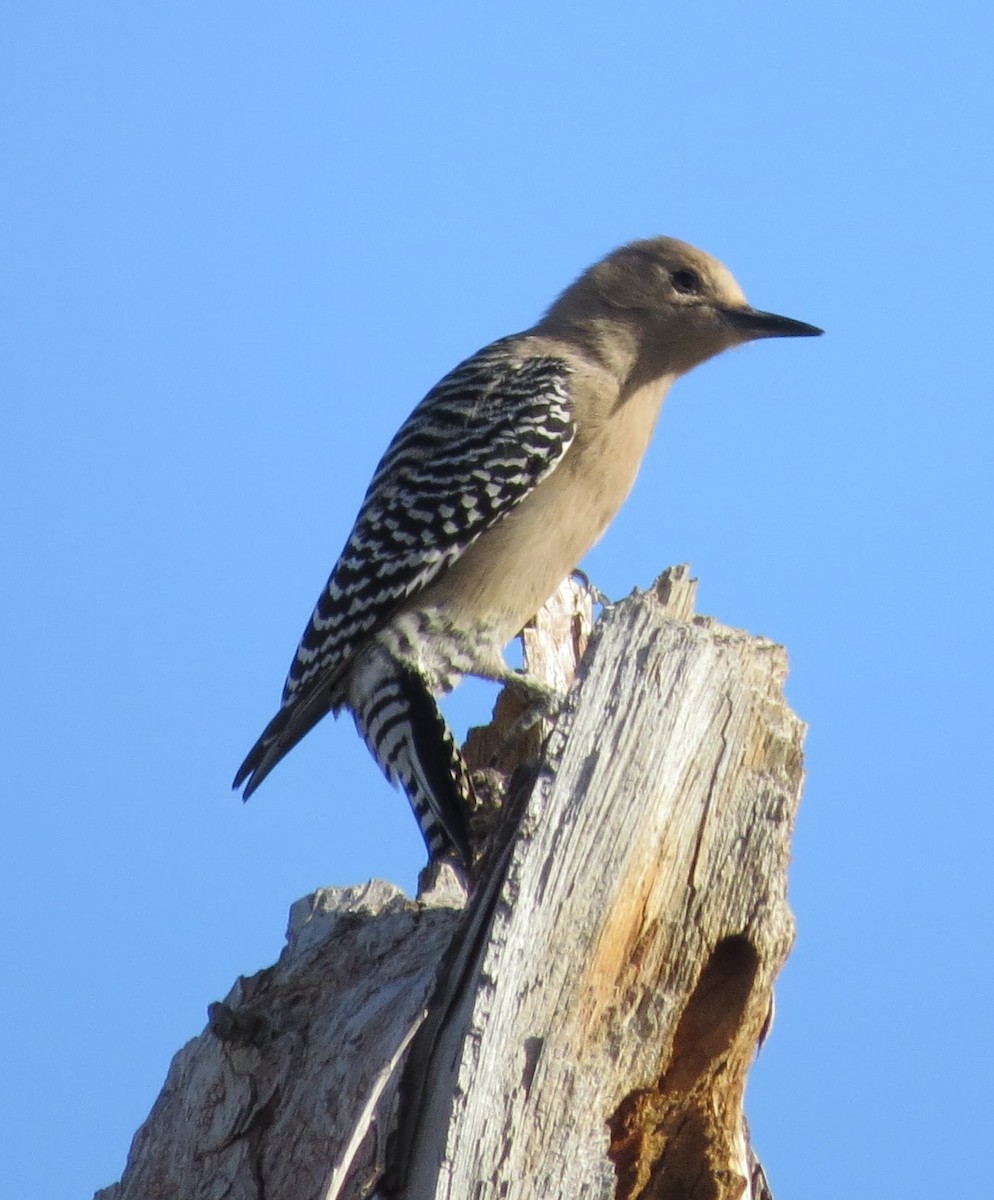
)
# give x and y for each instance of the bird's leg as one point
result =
(543, 698)
(532, 701)
(542, 702)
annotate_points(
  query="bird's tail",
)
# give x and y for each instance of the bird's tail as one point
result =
(398, 719)
(283, 732)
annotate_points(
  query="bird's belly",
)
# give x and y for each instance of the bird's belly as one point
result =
(509, 572)
(503, 579)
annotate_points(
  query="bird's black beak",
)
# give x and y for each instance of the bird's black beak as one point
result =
(756, 324)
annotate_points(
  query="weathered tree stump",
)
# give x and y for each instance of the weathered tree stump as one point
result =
(584, 1026)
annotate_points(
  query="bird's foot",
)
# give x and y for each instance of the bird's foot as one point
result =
(541, 703)
(596, 595)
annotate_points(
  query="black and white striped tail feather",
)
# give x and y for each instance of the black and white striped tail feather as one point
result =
(397, 717)
(293, 722)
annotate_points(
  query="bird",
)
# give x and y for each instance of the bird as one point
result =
(490, 493)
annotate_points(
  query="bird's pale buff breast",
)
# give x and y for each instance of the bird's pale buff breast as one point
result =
(502, 580)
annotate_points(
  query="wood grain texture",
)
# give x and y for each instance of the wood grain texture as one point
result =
(585, 1026)
(265, 1101)
(630, 965)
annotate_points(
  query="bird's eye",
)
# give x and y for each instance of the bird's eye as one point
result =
(686, 281)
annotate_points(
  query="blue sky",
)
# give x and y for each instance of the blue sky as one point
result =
(239, 243)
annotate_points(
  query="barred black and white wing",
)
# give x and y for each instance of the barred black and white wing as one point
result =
(473, 449)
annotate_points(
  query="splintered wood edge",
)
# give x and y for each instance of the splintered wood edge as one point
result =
(585, 1037)
(555, 642)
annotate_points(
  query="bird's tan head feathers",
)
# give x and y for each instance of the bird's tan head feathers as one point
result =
(682, 305)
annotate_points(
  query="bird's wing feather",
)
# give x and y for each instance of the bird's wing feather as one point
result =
(474, 448)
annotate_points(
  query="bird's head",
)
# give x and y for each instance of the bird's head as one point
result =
(679, 305)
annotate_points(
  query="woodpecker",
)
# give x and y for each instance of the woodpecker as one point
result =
(489, 495)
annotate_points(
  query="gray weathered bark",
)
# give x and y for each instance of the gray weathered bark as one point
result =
(584, 1026)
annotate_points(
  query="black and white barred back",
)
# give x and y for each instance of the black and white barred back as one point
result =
(474, 448)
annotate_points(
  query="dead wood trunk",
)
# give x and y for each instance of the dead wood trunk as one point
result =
(584, 1027)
